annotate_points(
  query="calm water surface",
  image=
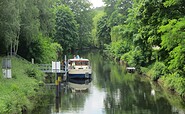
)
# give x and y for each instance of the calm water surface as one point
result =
(111, 91)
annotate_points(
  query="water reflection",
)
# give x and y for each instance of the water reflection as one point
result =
(73, 96)
(113, 91)
(79, 85)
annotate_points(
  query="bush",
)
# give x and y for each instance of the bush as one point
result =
(43, 50)
(116, 49)
(133, 57)
(175, 82)
(158, 70)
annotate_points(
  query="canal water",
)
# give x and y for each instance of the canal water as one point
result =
(111, 91)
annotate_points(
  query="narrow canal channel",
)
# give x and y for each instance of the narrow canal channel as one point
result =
(111, 91)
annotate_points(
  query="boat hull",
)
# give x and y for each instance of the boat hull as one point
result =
(81, 76)
(79, 73)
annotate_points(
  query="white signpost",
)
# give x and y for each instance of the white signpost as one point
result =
(6, 68)
(56, 67)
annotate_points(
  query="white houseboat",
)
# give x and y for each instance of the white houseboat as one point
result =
(79, 68)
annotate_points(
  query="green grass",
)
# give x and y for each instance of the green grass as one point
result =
(21, 91)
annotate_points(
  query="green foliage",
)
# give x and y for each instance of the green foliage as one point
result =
(109, 6)
(117, 33)
(31, 72)
(103, 32)
(83, 16)
(66, 28)
(30, 22)
(168, 3)
(173, 31)
(21, 23)
(10, 24)
(46, 17)
(44, 51)
(138, 57)
(116, 49)
(134, 57)
(120, 13)
(20, 92)
(98, 15)
(143, 24)
(175, 82)
(158, 70)
(177, 62)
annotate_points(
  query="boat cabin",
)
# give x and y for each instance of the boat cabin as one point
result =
(78, 63)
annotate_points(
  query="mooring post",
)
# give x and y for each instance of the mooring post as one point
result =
(59, 81)
(65, 68)
(57, 104)
(57, 85)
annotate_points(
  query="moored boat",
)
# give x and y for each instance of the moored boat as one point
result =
(79, 68)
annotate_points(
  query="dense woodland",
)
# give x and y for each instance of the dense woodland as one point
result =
(43, 29)
(146, 34)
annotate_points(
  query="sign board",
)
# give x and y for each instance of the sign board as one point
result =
(56, 67)
(7, 73)
(6, 63)
(6, 68)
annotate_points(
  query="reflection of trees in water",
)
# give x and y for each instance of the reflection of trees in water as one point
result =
(126, 93)
(134, 95)
(43, 106)
(101, 70)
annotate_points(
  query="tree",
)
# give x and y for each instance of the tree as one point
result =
(66, 28)
(173, 36)
(99, 13)
(46, 17)
(29, 30)
(120, 14)
(103, 32)
(109, 6)
(10, 25)
(83, 16)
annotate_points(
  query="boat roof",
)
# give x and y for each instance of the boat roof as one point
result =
(78, 59)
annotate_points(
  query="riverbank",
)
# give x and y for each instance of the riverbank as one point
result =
(172, 82)
(23, 91)
(157, 71)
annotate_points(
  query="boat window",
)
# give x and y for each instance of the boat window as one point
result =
(81, 62)
(78, 63)
(85, 63)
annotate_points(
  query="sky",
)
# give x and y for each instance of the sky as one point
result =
(97, 3)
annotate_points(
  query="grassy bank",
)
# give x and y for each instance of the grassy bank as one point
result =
(23, 90)
(172, 81)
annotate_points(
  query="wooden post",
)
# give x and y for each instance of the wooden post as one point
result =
(59, 81)
(65, 68)
(57, 85)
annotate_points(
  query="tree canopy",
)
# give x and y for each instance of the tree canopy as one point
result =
(145, 32)
(28, 27)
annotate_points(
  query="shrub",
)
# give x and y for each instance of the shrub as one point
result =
(175, 82)
(116, 49)
(133, 57)
(158, 69)
(43, 50)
